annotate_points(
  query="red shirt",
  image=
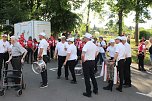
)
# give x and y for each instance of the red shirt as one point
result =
(30, 44)
(82, 45)
(22, 43)
(35, 45)
(50, 42)
(141, 47)
(78, 43)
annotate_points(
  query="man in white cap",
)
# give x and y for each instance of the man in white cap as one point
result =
(120, 55)
(42, 54)
(89, 52)
(127, 71)
(60, 52)
(71, 59)
(4, 55)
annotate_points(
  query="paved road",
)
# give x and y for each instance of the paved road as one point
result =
(62, 90)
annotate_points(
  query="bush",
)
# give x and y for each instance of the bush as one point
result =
(145, 34)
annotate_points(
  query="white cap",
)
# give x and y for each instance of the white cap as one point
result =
(13, 37)
(4, 35)
(119, 38)
(92, 40)
(124, 38)
(42, 33)
(62, 37)
(88, 35)
(112, 40)
(70, 39)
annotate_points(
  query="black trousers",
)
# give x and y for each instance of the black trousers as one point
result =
(96, 63)
(3, 58)
(71, 65)
(127, 71)
(35, 55)
(17, 65)
(29, 54)
(61, 60)
(88, 71)
(44, 73)
(121, 64)
(52, 51)
(141, 61)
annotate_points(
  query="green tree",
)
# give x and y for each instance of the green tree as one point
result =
(140, 7)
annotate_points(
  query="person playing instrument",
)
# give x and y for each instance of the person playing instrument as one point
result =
(42, 54)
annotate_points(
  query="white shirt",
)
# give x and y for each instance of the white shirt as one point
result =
(73, 52)
(43, 44)
(128, 50)
(111, 50)
(4, 46)
(60, 47)
(101, 44)
(121, 50)
(90, 50)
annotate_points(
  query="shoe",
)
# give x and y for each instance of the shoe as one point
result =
(43, 86)
(42, 83)
(143, 69)
(110, 86)
(73, 82)
(58, 77)
(95, 92)
(126, 85)
(86, 94)
(118, 89)
(66, 78)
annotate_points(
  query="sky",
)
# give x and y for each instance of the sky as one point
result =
(98, 22)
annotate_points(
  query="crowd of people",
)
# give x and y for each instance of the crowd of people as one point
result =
(69, 51)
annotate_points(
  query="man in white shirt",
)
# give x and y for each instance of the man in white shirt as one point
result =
(4, 55)
(60, 51)
(42, 54)
(120, 55)
(71, 59)
(127, 71)
(89, 52)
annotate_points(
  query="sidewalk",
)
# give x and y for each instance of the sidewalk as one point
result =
(135, 65)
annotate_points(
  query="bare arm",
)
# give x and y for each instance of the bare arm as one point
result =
(83, 56)
(40, 53)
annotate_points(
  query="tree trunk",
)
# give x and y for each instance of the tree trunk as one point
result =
(137, 23)
(88, 15)
(120, 14)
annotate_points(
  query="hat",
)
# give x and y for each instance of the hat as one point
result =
(70, 39)
(42, 34)
(124, 38)
(4, 35)
(62, 37)
(88, 35)
(112, 40)
(13, 37)
(118, 38)
(92, 40)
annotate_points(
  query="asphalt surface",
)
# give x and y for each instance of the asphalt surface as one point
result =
(63, 90)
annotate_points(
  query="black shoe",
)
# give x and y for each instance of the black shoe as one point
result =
(66, 78)
(110, 86)
(58, 77)
(86, 94)
(95, 92)
(127, 85)
(44, 86)
(143, 69)
(118, 89)
(73, 82)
